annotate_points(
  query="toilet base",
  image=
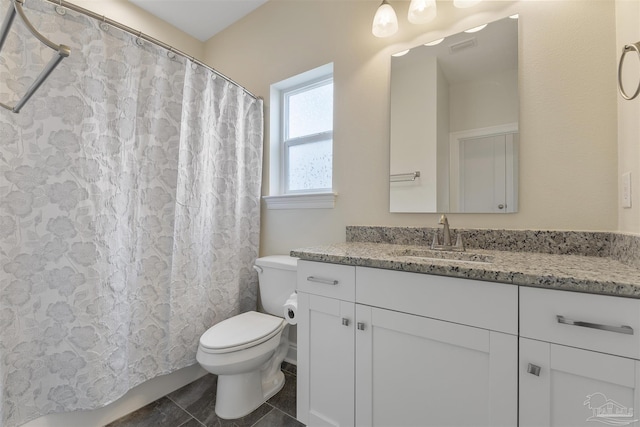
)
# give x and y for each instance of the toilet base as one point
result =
(239, 395)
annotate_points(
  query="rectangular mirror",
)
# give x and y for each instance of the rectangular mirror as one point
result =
(454, 123)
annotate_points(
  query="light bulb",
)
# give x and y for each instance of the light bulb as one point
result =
(461, 4)
(435, 42)
(475, 29)
(422, 11)
(385, 23)
(401, 53)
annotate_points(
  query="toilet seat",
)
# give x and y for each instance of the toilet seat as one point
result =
(240, 332)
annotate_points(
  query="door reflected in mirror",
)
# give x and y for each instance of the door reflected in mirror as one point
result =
(454, 124)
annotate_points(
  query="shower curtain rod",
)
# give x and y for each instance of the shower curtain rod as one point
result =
(62, 50)
(140, 35)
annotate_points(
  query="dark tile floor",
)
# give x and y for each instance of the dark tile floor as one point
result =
(192, 406)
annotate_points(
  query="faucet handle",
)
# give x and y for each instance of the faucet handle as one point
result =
(436, 240)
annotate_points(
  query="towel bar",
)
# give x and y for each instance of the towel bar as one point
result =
(401, 177)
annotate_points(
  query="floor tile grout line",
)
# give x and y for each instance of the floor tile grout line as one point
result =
(180, 406)
(290, 416)
(192, 418)
(183, 410)
(261, 418)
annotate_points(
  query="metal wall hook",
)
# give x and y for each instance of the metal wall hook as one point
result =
(626, 49)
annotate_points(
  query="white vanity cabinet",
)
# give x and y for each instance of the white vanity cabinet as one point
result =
(326, 346)
(404, 349)
(578, 359)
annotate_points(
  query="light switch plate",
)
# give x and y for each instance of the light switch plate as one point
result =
(626, 190)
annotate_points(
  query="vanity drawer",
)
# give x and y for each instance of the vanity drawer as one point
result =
(593, 322)
(327, 280)
(486, 305)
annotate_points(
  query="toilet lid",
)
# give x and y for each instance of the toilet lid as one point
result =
(241, 331)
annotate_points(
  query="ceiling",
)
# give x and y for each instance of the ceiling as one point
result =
(201, 19)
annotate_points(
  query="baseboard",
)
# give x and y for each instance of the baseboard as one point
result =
(292, 354)
(135, 399)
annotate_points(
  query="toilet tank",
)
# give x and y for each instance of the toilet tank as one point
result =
(277, 280)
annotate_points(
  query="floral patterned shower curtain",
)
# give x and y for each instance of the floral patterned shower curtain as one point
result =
(129, 214)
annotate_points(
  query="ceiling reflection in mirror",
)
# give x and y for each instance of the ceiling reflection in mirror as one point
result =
(454, 123)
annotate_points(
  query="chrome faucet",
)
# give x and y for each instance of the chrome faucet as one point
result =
(445, 243)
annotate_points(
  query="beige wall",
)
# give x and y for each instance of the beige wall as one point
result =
(568, 121)
(628, 31)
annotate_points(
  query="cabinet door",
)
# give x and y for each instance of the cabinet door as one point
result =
(416, 371)
(565, 386)
(325, 394)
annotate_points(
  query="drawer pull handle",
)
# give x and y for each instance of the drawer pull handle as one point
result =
(345, 321)
(628, 330)
(360, 326)
(321, 280)
(533, 369)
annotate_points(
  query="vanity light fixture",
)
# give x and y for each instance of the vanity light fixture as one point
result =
(422, 11)
(475, 29)
(401, 53)
(385, 22)
(435, 42)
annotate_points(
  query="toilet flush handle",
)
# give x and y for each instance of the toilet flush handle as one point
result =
(257, 268)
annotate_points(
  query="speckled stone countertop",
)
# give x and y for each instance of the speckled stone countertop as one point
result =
(600, 274)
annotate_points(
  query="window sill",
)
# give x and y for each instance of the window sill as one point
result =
(301, 201)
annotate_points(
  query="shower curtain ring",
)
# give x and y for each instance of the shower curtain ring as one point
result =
(139, 40)
(60, 10)
(103, 24)
(171, 54)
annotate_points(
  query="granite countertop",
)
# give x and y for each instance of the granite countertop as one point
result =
(590, 274)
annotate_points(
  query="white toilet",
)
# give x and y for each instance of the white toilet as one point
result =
(246, 350)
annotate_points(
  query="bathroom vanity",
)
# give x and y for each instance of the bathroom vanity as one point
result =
(400, 335)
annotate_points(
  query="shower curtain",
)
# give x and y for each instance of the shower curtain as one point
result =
(129, 214)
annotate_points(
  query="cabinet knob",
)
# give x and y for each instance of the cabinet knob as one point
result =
(345, 321)
(500, 206)
(533, 369)
(360, 326)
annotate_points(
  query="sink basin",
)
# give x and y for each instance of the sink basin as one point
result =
(449, 256)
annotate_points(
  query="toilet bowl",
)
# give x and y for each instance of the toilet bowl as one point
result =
(246, 351)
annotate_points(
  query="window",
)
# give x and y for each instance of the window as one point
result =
(301, 165)
(307, 113)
